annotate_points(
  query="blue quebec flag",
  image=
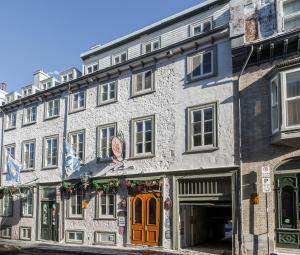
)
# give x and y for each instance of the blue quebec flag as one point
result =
(72, 163)
(13, 170)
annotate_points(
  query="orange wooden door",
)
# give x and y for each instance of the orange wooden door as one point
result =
(145, 219)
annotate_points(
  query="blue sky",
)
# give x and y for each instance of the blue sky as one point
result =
(50, 35)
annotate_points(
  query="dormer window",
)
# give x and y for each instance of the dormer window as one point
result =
(92, 68)
(120, 58)
(67, 77)
(285, 106)
(201, 27)
(291, 14)
(152, 46)
(46, 85)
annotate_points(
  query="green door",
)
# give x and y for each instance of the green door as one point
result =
(49, 221)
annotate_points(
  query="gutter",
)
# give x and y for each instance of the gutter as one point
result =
(241, 243)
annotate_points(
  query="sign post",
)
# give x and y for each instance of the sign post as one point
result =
(266, 182)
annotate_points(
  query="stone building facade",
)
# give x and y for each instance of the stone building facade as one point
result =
(265, 48)
(166, 92)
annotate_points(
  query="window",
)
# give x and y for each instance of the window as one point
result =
(105, 135)
(291, 14)
(291, 80)
(65, 78)
(30, 115)
(202, 127)
(27, 92)
(106, 206)
(26, 202)
(152, 46)
(77, 142)
(50, 151)
(46, 85)
(120, 58)
(75, 205)
(28, 155)
(201, 27)
(105, 238)
(201, 64)
(143, 136)
(11, 120)
(9, 150)
(77, 101)
(92, 68)
(7, 205)
(142, 82)
(74, 236)
(70, 76)
(6, 232)
(107, 92)
(274, 105)
(52, 108)
(25, 233)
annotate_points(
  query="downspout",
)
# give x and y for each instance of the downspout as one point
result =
(2, 155)
(241, 243)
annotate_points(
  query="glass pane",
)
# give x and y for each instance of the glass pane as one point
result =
(148, 48)
(197, 30)
(139, 148)
(208, 114)
(293, 84)
(148, 80)
(274, 117)
(148, 147)
(139, 137)
(197, 140)
(208, 139)
(290, 7)
(206, 26)
(196, 66)
(288, 207)
(208, 127)
(148, 136)
(139, 126)
(152, 211)
(197, 128)
(196, 116)
(139, 82)
(274, 93)
(292, 23)
(207, 64)
(293, 112)
(148, 125)
(138, 210)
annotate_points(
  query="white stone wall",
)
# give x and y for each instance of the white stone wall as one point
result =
(168, 103)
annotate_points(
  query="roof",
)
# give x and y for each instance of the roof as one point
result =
(151, 28)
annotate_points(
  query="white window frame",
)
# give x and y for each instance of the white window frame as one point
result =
(45, 156)
(201, 24)
(109, 90)
(75, 195)
(27, 203)
(47, 85)
(98, 235)
(7, 200)
(144, 90)
(134, 133)
(284, 97)
(7, 148)
(75, 232)
(9, 120)
(275, 104)
(26, 230)
(294, 15)
(108, 140)
(151, 43)
(79, 108)
(30, 115)
(201, 75)
(53, 101)
(94, 67)
(107, 205)
(76, 148)
(6, 232)
(119, 55)
(190, 134)
(24, 163)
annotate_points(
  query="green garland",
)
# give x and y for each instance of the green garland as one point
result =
(109, 186)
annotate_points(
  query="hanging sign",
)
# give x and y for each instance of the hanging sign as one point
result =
(117, 147)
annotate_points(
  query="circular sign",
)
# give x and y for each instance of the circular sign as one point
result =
(117, 147)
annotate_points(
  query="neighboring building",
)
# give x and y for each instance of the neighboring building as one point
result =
(269, 90)
(3, 92)
(167, 92)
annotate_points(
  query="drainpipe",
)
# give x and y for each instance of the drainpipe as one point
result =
(241, 243)
(2, 137)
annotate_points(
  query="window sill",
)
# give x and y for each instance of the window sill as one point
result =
(49, 167)
(28, 123)
(104, 160)
(107, 102)
(104, 244)
(142, 157)
(75, 242)
(210, 149)
(3, 237)
(75, 218)
(103, 218)
(78, 110)
(142, 93)
(26, 216)
(9, 129)
(51, 118)
(27, 170)
(189, 81)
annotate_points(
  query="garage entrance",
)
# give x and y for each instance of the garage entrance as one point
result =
(205, 212)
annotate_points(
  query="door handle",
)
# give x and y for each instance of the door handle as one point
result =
(146, 228)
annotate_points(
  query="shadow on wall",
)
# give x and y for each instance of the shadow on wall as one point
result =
(14, 216)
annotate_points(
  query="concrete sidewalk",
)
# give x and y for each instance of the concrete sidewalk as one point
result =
(62, 248)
